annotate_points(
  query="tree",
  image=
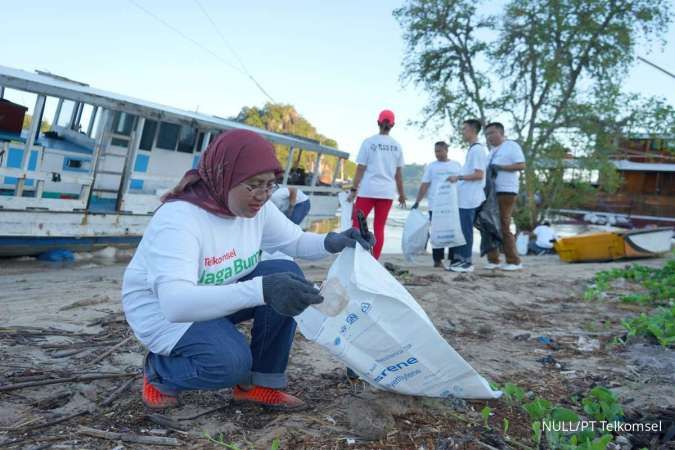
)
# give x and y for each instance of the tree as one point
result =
(281, 118)
(551, 69)
(28, 119)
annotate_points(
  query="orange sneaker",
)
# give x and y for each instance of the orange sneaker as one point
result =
(155, 399)
(267, 397)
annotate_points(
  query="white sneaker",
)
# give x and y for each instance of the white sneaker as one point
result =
(464, 267)
(512, 267)
(492, 266)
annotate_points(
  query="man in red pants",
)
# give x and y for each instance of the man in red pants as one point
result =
(378, 177)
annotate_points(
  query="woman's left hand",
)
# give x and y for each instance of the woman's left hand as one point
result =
(336, 242)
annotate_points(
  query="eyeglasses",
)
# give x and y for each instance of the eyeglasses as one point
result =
(266, 189)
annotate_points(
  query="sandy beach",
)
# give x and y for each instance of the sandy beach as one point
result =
(59, 320)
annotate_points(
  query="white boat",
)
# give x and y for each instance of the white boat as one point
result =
(94, 179)
(647, 242)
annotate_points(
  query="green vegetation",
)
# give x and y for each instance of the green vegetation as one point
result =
(485, 413)
(660, 325)
(281, 118)
(28, 119)
(513, 394)
(659, 282)
(220, 441)
(412, 178)
(599, 404)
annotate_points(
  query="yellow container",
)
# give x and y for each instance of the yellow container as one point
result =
(602, 246)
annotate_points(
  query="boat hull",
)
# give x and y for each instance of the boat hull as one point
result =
(29, 233)
(33, 246)
(646, 243)
(610, 246)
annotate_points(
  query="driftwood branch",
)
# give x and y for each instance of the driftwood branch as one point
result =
(34, 331)
(107, 320)
(76, 345)
(31, 426)
(75, 379)
(117, 392)
(111, 350)
(203, 413)
(128, 437)
(32, 439)
(167, 422)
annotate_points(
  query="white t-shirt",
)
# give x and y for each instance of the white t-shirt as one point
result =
(544, 236)
(507, 153)
(381, 155)
(281, 198)
(435, 173)
(186, 243)
(472, 192)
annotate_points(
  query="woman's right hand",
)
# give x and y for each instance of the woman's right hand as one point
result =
(288, 293)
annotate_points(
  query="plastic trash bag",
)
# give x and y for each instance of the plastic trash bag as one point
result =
(387, 338)
(446, 229)
(415, 234)
(522, 242)
(487, 219)
(345, 211)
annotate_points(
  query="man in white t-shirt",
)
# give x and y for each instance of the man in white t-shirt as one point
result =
(378, 177)
(436, 173)
(507, 160)
(470, 191)
(544, 237)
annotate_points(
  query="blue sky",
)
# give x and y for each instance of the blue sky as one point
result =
(338, 63)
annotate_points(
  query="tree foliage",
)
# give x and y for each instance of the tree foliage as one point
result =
(284, 119)
(551, 69)
(28, 119)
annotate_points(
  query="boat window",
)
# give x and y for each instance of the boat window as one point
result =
(168, 136)
(148, 136)
(123, 123)
(73, 163)
(85, 117)
(186, 140)
(66, 113)
(48, 116)
(200, 141)
(119, 142)
(97, 123)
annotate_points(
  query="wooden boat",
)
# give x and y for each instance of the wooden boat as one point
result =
(95, 177)
(645, 164)
(609, 246)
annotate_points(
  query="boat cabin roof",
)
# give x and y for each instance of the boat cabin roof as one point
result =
(61, 87)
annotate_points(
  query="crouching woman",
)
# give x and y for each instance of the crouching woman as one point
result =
(197, 273)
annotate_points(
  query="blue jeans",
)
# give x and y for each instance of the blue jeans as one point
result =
(466, 218)
(533, 248)
(300, 210)
(213, 354)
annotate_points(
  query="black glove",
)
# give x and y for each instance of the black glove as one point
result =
(336, 242)
(289, 294)
(415, 205)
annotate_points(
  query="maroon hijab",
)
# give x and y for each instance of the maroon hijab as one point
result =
(231, 158)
